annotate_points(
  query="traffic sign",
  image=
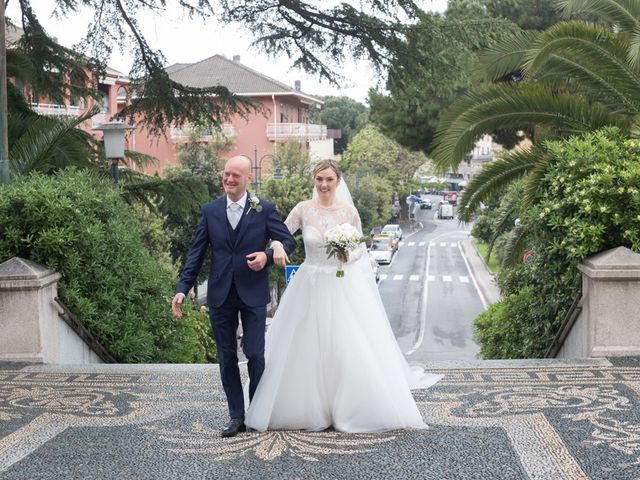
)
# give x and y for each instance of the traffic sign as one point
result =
(290, 271)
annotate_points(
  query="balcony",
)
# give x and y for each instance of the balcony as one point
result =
(284, 131)
(55, 109)
(182, 134)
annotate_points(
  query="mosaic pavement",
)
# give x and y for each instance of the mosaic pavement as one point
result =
(150, 422)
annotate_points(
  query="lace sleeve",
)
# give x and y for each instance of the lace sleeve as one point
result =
(293, 223)
(361, 249)
(294, 219)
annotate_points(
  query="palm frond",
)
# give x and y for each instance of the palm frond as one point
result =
(509, 106)
(534, 176)
(514, 245)
(624, 14)
(507, 56)
(494, 177)
(502, 225)
(589, 56)
(633, 56)
(45, 144)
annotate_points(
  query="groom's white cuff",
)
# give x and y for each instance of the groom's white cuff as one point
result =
(180, 293)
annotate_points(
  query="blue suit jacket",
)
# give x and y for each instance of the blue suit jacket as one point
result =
(228, 258)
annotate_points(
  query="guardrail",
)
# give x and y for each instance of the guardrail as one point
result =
(55, 109)
(309, 131)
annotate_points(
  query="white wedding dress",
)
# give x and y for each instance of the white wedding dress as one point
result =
(331, 357)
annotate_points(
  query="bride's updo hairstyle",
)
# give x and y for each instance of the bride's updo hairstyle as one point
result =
(324, 164)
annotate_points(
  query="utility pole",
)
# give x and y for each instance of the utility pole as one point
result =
(4, 143)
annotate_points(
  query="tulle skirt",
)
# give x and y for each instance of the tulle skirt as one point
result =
(332, 359)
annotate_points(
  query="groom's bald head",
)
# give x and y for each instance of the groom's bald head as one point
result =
(236, 177)
(239, 161)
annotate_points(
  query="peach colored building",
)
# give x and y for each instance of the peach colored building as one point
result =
(113, 87)
(285, 113)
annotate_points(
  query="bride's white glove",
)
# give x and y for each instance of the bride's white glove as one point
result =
(279, 255)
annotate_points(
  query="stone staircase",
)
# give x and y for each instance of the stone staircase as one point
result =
(542, 419)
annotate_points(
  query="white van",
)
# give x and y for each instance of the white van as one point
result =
(445, 210)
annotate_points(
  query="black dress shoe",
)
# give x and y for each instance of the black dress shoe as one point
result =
(235, 426)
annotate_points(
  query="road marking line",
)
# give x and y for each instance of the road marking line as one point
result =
(447, 278)
(411, 244)
(421, 244)
(398, 277)
(443, 244)
(400, 244)
(464, 279)
(414, 278)
(454, 245)
(473, 279)
(383, 276)
(425, 296)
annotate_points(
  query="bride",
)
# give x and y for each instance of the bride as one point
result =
(331, 357)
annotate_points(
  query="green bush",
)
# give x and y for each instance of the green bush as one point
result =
(79, 226)
(589, 202)
(516, 327)
(483, 228)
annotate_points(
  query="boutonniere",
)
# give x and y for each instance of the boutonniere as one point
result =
(254, 203)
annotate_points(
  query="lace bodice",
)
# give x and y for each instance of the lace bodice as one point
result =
(314, 221)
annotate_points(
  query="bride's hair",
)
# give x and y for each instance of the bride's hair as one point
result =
(324, 164)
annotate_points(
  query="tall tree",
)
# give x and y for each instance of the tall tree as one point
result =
(341, 113)
(578, 77)
(434, 67)
(371, 153)
(315, 37)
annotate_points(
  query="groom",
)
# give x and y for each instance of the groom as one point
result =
(238, 227)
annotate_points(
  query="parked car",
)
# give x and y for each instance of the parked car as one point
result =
(390, 236)
(426, 204)
(382, 248)
(375, 267)
(394, 230)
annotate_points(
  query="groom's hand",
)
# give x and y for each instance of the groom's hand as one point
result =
(176, 304)
(257, 261)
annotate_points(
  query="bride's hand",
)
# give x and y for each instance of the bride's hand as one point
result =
(279, 255)
(342, 258)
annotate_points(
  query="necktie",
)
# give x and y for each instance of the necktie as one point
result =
(233, 214)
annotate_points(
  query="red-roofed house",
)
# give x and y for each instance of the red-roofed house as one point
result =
(286, 112)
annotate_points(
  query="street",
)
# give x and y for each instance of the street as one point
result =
(430, 293)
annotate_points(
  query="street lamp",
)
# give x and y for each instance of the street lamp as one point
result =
(113, 134)
(257, 167)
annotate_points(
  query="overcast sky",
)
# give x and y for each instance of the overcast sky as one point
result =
(184, 40)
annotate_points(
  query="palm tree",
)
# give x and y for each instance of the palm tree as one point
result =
(577, 76)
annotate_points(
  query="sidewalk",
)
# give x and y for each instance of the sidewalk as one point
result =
(484, 277)
(543, 419)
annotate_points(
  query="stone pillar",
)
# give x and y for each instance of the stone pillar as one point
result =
(611, 303)
(27, 292)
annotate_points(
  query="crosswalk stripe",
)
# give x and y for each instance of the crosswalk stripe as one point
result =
(400, 244)
(447, 278)
(398, 277)
(383, 276)
(411, 244)
(464, 279)
(421, 244)
(443, 244)
(414, 278)
(454, 245)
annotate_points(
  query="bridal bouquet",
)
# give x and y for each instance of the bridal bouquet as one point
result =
(339, 240)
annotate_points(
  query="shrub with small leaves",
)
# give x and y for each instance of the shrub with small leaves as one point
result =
(79, 226)
(589, 202)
